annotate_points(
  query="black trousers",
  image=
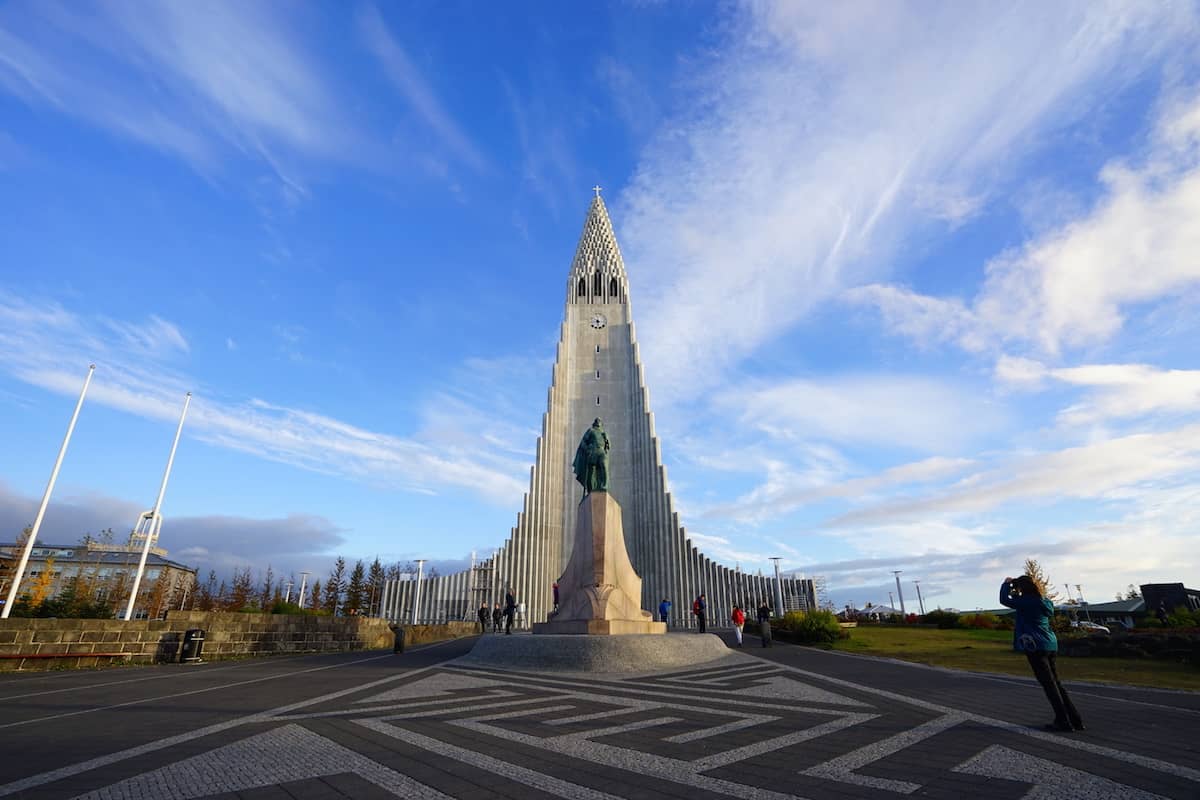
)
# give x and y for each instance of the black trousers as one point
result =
(1046, 671)
(700, 622)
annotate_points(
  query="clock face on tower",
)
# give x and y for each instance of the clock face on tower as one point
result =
(599, 321)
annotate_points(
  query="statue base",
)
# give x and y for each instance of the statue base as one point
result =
(600, 593)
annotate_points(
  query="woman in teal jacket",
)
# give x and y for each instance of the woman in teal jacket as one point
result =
(1034, 636)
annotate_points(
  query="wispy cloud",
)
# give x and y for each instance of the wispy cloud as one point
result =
(417, 92)
(819, 137)
(198, 83)
(136, 373)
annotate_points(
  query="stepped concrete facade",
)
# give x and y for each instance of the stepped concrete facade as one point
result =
(597, 373)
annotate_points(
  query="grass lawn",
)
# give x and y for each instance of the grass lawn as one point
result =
(991, 651)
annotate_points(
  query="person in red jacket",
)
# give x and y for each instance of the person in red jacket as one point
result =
(739, 619)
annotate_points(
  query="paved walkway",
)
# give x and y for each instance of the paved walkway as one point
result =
(763, 723)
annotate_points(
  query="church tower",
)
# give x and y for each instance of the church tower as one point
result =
(597, 373)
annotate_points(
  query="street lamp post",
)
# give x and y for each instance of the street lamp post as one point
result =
(900, 592)
(37, 522)
(891, 602)
(303, 585)
(778, 588)
(420, 562)
(920, 600)
(287, 598)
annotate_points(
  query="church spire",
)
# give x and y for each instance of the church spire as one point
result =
(597, 271)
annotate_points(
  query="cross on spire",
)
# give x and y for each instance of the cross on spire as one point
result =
(597, 189)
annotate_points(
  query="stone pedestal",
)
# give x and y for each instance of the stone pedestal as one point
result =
(599, 593)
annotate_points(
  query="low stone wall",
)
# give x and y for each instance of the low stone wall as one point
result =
(424, 634)
(36, 644)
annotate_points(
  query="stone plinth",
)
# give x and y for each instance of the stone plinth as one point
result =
(597, 654)
(599, 593)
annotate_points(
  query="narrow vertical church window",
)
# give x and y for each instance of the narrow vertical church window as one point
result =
(582, 288)
(597, 348)
(597, 374)
(598, 284)
(597, 400)
(612, 288)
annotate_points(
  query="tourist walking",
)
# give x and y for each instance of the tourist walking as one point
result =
(510, 610)
(764, 623)
(556, 595)
(738, 618)
(664, 610)
(1034, 636)
(497, 615)
(484, 614)
(700, 609)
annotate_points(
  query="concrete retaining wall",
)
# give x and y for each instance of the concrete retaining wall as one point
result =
(68, 643)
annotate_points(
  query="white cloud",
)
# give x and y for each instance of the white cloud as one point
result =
(1106, 469)
(1117, 391)
(926, 414)
(1073, 285)
(135, 374)
(780, 497)
(816, 130)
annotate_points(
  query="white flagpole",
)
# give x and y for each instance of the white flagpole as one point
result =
(37, 523)
(155, 519)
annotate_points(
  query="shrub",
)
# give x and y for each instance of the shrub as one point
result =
(815, 627)
(943, 619)
(984, 622)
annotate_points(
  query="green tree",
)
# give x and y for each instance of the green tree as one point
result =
(356, 589)
(375, 580)
(314, 601)
(335, 586)
(267, 595)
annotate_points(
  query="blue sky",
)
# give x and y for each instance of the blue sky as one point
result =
(916, 288)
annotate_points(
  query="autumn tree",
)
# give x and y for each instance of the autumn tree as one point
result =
(314, 600)
(39, 590)
(356, 589)
(335, 586)
(1034, 570)
(160, 595)
(241, 592)
(206, 593)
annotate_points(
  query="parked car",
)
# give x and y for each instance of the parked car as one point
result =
(1089, 627)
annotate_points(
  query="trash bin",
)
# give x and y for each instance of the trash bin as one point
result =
(193, 646)
(398, 645)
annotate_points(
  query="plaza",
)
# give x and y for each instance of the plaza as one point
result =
(760, 723)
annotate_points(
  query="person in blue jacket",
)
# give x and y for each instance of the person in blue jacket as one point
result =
(1034, 636)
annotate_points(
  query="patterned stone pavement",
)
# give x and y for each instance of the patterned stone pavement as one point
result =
(792, 724)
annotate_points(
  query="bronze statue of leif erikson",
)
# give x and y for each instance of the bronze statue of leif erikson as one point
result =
(591, 459)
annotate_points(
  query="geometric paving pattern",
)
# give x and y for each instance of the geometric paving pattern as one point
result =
(743, 728)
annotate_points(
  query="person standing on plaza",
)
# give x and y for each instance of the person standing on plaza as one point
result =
(1034, 636)
(700, 609)
(764, 622)
(497, 615)
(510, 610)
(484, 614)
(738, 618)
(555, 587)
(664, 610)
